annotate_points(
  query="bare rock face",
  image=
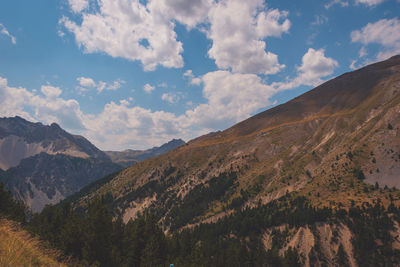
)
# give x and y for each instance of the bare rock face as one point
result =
(21, 139)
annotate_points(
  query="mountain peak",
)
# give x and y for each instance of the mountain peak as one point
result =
(21, 139)
(55, 126)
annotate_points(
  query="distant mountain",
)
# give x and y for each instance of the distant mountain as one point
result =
(46, 179)
(129, 156)
(336, 147)
(25, 139)
(43, 164)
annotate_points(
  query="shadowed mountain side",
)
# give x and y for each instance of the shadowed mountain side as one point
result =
(47, 179)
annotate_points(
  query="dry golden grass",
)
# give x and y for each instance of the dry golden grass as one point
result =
(19, 248)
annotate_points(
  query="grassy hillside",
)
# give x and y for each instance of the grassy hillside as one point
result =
(19, 248)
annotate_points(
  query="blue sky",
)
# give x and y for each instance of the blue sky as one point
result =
(135, 74)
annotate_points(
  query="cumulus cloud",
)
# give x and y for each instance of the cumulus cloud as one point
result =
(238, 29)
(4, 31)
(315, 65)
(120, 126)
(171, 97)
(369, 2)
(130, 30)
(50, 108)
(78, 5)
(231, 97)
(148, 88)
(86, 83)
(385, 32)
(188, 13)
(192, 79)
(115, 85)
(51, 91)
(145, 32)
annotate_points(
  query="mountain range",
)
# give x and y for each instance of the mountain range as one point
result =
(44, 164)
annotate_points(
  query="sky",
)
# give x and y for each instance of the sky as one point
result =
(133, 74)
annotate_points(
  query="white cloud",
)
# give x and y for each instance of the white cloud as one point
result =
(192, 79)
(238, 29)
(231, 97)
(315, 65)
(86, 82)
(50, 91)
(369, 2)
(342, 3)
(383, 32)
(145, 32)
(78, 6)
(50, 108)
(128, 29)
(148, 88)
(115, 85)
(189, 13)
(4, 31)
(171, 97)
(101, 86)
(120, 126)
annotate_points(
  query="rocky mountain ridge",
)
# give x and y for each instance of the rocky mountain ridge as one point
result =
(43, 164)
